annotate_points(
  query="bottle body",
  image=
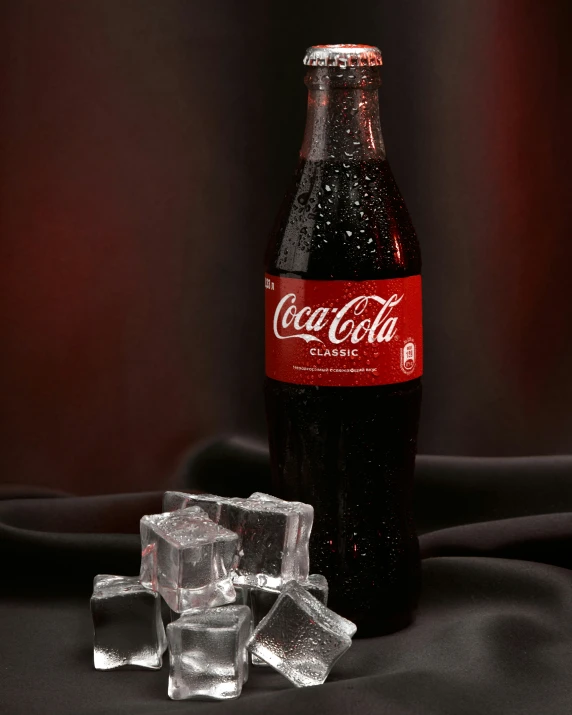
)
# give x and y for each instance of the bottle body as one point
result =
(350, 452)
(342, 292)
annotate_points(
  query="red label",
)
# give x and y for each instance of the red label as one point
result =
(343, 333)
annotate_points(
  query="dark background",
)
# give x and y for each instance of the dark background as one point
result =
(145, 146)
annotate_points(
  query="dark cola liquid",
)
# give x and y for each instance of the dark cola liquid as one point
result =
(350, 451)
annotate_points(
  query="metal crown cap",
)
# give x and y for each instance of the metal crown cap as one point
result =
(343, 56)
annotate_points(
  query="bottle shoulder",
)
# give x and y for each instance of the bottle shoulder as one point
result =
(343, 220)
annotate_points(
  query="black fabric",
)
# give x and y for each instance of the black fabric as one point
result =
(493, 634)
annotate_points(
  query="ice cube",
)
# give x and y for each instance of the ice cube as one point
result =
(317, 586)
(208, 653)
(188, 559)
(274, 538)
(261, 600)
(210, 503)
(242, 599)
(300, 637)
(274, 534)
(262, 496)
(306, 518)
(127, 625)
(242, 595)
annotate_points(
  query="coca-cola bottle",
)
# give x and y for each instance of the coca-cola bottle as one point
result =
(344, 347)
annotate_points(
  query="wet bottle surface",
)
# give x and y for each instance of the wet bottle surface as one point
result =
(349, 450)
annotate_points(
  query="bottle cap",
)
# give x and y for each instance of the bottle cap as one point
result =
(343, 56)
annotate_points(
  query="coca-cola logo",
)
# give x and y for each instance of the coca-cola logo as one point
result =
(365, 317)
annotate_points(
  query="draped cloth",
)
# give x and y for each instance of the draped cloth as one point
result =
(493, 633)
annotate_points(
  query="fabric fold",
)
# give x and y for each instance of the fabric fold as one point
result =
(493, 633)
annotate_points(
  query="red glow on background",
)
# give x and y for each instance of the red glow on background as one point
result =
(527, 176)
(91, 303)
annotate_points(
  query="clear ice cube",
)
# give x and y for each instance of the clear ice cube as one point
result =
(274, 539)
(261, 600)
(127, 624)
(262, 496)
(306, 518)
(317, 586)
(242, 595)
(210, 503)
(188, 559)
(208, 656)
(300, 637)
(242, 598)
(273, 534)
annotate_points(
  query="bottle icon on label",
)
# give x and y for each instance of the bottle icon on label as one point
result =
(408, 356)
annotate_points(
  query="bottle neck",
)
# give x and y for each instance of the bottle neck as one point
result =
(342, 123)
